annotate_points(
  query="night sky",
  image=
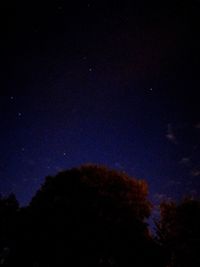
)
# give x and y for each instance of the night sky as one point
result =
(109, 82)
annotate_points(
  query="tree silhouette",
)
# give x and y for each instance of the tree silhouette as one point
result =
(8, 210)
(178, 231)
(87, 216)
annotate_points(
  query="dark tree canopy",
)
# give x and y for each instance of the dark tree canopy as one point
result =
(94, 211)
(94, 216)
(178, 231)
(8, 210)
(87, 216)
(97, 188)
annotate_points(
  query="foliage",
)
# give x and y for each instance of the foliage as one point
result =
(89, 216)
(178, 231)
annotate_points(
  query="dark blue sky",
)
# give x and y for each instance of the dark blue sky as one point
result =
(102, 83)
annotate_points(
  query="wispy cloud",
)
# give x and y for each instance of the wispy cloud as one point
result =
(195, 172)
(185, 161)
(170, 134)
